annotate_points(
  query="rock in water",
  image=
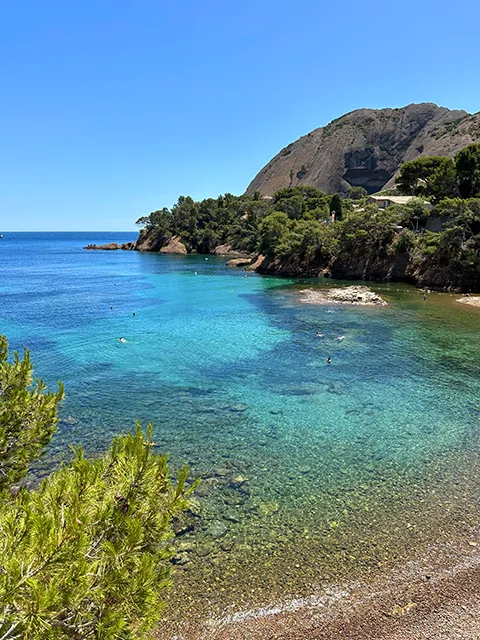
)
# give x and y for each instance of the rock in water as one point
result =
(356, 295)
(217, 529)
(268, 508)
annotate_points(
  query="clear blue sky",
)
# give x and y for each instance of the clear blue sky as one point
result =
(111, 109)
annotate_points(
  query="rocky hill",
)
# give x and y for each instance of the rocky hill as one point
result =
(366, 148)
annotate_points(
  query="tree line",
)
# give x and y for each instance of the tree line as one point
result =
(295, 228)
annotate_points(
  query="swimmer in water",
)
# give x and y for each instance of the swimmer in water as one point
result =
(122, 339)
(320, 335)
(329, 360)
(340, 338)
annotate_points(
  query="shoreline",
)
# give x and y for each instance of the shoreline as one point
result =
(436, 597)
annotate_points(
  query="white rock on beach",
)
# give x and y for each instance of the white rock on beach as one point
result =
(356, 295)
(474, 301)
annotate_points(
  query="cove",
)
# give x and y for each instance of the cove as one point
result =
(311, 473)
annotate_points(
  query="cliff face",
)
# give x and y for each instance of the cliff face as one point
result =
(366, 148)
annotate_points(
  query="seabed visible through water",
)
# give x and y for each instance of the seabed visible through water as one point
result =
(312, 474)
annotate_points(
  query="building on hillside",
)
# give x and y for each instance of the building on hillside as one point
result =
(385, 201)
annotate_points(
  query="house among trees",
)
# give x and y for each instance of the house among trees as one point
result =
(385, 201)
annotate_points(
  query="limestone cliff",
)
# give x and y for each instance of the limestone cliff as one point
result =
(366, 148)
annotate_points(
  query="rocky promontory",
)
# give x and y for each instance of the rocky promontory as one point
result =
(354, 295)
(111, 246)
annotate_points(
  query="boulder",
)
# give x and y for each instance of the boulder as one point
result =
(174, 246)
(239, 262)
(256, 263)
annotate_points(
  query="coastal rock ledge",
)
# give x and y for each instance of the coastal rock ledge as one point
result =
(111, 246)
(356, 295)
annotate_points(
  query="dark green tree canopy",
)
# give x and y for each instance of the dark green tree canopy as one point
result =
(467, 164)
(431, 177)
(28, 416)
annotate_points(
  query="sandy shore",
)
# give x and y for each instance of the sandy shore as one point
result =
(354, 295)
(474, 301)
(436, 599)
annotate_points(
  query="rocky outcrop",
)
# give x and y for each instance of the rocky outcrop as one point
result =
(111, 246)
(174, 246)
(365, 268)
(239, 262)
(354, 295)
(151, 240)
(366, 148)
(227, 250)
(157, 241)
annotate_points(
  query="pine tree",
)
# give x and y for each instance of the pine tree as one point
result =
(28, 416)
(87, 554)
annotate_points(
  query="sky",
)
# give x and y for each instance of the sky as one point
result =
(112, 109)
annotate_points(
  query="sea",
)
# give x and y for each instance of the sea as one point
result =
(311, 472)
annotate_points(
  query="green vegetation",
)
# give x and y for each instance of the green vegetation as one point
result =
(297, 234)
(437, 178)
(86, 554)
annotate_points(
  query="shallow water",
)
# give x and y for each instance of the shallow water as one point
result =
(347, 467)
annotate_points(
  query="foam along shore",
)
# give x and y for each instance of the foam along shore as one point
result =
(432, 598)
(355, 295)
(474, 301)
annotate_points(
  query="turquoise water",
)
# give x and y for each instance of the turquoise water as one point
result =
(344, 465)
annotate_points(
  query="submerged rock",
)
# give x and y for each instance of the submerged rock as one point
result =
(217, 529)
(237, 481)
(227, 545)
(204, 550)
(183, 524)
(195, 507)
(180, 558)
(268, 508)
(221, 472)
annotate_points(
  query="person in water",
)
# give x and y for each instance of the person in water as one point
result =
(122, 339)
(319, 335)
(329, 360)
